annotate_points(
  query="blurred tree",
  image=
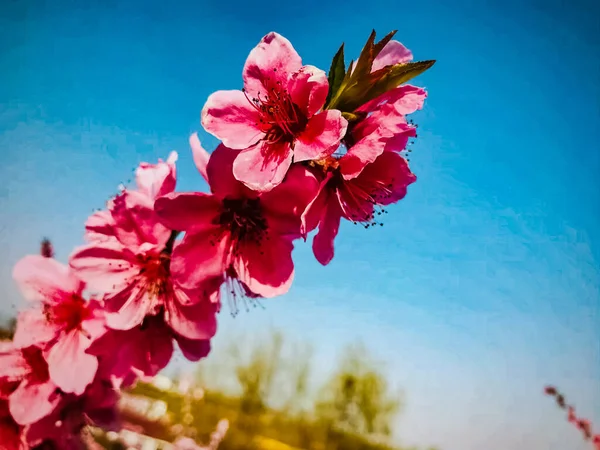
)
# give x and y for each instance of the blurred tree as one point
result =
(357, 396)
(257, 376)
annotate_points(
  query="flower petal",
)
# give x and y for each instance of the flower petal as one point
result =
(199, 155)
(263, 166)
(155, 348)
(388, 178)
(271, 61)
(44, 279)
(322, 133)
(308, 88)
(13, 367)
(399, 141)
(70, 367)
(100, 226)
(184, 211)
(322, 245)
(193, 350)
(197, 321)
(95, 323)
(33, 328)
(106, 266)
(10, 432)
(312, 213)
(267, 269)
(284, 205)
(363, 152)
(220, 174)
(199, 257)
(129, 307)
(136, 222)
(406, 100)
(393, 53)
(32, 401)
(144, 350)
(229, 116)
(155, 180)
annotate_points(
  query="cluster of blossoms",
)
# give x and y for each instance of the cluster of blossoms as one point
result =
(299, 151)
(583, 425)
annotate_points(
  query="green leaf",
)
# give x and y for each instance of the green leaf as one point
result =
(337, 72)
(353, 117)
(369, 52)
(359, 84)
(380, 82)
(400, 74)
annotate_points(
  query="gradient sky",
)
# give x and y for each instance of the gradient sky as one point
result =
(482, 286)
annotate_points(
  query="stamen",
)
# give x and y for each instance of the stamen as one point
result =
(244, 220)
(69, 313)
(279, 118)
(236, 291)
(155, 273)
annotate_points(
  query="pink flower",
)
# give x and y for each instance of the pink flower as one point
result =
(61, 322)
(235, 232)
(275, 119)
(24, 373)
(385, 128)
(155, 180)
(133, 208)
(131, 264)
(386, 114)
(10, 431)
(142, 351)
(96, 406)
(354, 197)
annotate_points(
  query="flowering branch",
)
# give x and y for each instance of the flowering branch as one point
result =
(583, 425)
(300, 151)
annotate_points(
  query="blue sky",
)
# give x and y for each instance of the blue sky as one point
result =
(482, 286)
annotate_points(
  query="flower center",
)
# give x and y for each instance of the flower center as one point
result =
(244, 219)
(279, 117)
(154, 268)
(327, 164)
(363, 199)
(68, 314)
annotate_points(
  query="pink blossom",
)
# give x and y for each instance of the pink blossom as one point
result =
(235, 232)
(63, 428)
(356, 198)
(132, 263)
(130, 218)
(390, 108)
(275, 120)
(155, 180)
(142, 351)
(61, 321)
(10, 431)
(25, 380)
(387, 116)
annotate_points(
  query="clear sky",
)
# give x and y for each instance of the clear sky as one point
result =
(483, 284)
